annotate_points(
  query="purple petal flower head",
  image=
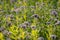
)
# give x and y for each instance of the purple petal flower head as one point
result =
(54, 12)
(40, 38)
(33, 27)
(5, 32)
(23, 26)
(35, 16)
(53, 37)
(27, 23)
(57, 23)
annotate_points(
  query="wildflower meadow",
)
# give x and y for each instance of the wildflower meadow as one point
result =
(29, 19)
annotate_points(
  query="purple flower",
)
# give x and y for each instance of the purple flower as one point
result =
(33, 27)
(54, 12)
(6, 33)
(35, 16)
(27, 23)
(53, 37)
(23, 26)
(57, 23)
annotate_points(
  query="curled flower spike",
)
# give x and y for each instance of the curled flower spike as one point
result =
(23, 26)
(57, 23)
(33, 27)
(35, 16)
(53, 37)
(54, 12)
(6, 33)
(26, 23)
(40, 38)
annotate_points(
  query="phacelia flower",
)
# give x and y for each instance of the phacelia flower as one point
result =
(53, 37)
(6, 33)
(35, 16)
(33, 27)
(57, 23)
(26, 23)
(54, 12)
(23, 26)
